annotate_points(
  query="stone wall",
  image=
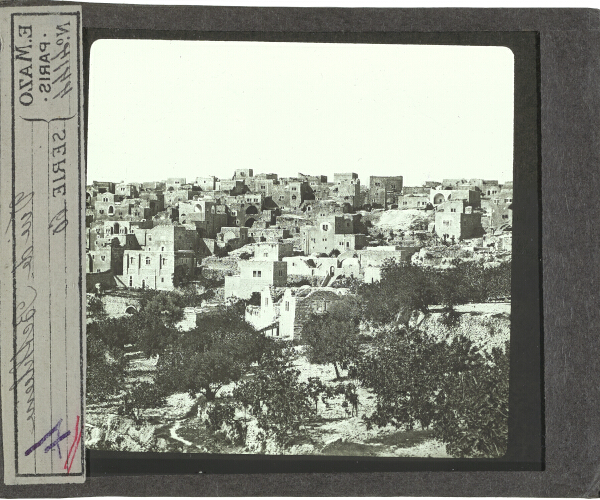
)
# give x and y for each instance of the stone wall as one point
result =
(217, 268)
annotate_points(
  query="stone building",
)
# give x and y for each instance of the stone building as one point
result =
(232, 187)
(254, 276)
(264, 317)
(501, 209)
(155, 200)
(415, 190)
(383, 190)
(273, 251)
(164, 248)
(174, 183)
(206, 183)
(268, 234)
(208, 216)
(457, 220)
(302, 265)
(471, 197)
(346, 189)
(291, 193)
(411, 201)
(332, 233)
(232, 237)
(104, 187)
(126, 190)
(243, 173)
(176, 196)
(299, 304)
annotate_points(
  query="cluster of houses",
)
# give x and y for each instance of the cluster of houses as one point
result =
(291, 240)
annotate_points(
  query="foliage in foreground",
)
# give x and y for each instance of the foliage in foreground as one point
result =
(215, 353)
(458, 390)
(333, 337)
(406, 288)
(275, 396)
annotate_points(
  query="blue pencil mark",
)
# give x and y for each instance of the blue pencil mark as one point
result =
(53, 444)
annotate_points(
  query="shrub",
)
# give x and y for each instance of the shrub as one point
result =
(461, 392)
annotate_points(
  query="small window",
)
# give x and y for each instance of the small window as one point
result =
(132, 260)
(147, 260)
(266, 254)
(325, 227)
(505, 216)
(446, 223)
(294, 197)
(266, 301)
(162, 280)
(453, 210)
(287, 305)
(130, 280)
(162, 249)
(164, 261)
(102, 257)
(280, 273)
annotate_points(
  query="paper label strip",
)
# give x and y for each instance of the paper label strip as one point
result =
(42, 186)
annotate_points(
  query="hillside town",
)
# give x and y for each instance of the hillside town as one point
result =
(295, 241)
(255, 314)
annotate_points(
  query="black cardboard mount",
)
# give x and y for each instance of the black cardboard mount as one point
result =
(564, 138)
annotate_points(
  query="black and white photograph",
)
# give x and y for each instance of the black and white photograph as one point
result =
(299, 248)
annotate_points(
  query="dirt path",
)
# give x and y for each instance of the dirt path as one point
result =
(174, 435)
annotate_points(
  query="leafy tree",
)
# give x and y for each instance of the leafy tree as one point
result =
(254, 299)
(141, 396)
(403, 289)
(114, 332)
(317, 390)
(168, 306)
(105, 372)
(450, 385)
(280, 402)
(95, 308)
(213, 354)
(473, 418)
(349, 391)
(333, 337)
(152, 329)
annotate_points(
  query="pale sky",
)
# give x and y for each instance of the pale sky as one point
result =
(161, 109)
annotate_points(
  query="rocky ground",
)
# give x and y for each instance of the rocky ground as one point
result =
(178, 426)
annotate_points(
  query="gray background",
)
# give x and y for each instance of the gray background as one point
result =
(570, 76)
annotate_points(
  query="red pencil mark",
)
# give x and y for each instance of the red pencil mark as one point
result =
(73, 449)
